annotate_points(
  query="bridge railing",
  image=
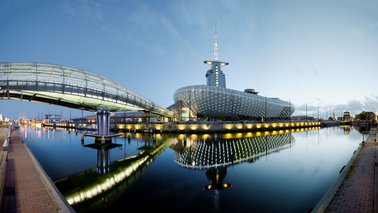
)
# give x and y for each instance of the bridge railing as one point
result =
(64, 80)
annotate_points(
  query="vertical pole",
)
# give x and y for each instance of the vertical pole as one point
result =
(306, 112)
(99, 122)
(265, 108)
(103, 122)
(107, 114)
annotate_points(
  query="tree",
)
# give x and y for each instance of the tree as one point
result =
(366, 116)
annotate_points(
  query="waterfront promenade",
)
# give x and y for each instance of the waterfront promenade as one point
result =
(27, 187)
(356, 190)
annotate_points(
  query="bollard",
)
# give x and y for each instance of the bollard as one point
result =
(342, 169)
(6, 144)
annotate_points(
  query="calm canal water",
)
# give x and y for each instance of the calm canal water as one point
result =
(238, 172)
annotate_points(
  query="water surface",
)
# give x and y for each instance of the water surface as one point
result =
(237, 172)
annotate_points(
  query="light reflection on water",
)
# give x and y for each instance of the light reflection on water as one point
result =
(235, 172)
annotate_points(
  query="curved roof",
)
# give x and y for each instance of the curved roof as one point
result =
(70, 87)
(211, 154)
(211, 101)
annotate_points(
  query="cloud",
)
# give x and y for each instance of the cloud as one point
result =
(354, 107)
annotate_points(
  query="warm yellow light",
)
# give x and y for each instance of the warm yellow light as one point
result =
(181, 126)
(228, 126)
(138, 135)
(181, 136)
(193, 137)
(205, 136)
(158, 136)
(205, 126)
(227, 136)
(249, 135)
(193, 126)
(158, 126)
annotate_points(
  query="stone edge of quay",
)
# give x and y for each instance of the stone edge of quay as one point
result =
(58, 198)
(329, 195)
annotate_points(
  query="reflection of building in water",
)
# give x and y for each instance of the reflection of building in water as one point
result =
(216, 154)
(346, 130)
(217, 175)
(103, 157)
(206, 154)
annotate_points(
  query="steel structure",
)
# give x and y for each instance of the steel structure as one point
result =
(225, 152)
(70, 87)
(210, 101)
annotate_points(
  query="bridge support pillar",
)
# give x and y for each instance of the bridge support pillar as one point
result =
(103, 123)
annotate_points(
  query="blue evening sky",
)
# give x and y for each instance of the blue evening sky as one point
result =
(316, 53)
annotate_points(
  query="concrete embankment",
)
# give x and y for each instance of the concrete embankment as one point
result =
(4, 140)
(27, 187)
(209, 127)
(356, 189)
(195, 126)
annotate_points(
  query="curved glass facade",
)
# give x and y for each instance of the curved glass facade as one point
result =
(207, 154)
(71, 87)
(218, 102)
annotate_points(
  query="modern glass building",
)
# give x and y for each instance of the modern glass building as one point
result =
(214, 101)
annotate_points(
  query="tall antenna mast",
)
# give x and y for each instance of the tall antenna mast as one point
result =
(216, 46)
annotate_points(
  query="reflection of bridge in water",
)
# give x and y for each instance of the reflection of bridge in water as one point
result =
(89, 188)
(204, 154)
(103, 157)
(108, 179)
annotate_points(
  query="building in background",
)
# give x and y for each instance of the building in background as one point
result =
(347, 117)
(214, 101)
(52, 118)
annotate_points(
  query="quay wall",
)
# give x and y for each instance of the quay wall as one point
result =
(195, 127)
(204, 127)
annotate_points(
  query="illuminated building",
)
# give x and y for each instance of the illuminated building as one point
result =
(214, 101)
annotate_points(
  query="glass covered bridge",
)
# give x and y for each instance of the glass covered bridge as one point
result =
(70, 87)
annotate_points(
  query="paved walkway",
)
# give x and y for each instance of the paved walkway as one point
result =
(27, 188)
(357, 191)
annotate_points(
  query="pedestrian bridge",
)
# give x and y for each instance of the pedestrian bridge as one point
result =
(70, 87)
